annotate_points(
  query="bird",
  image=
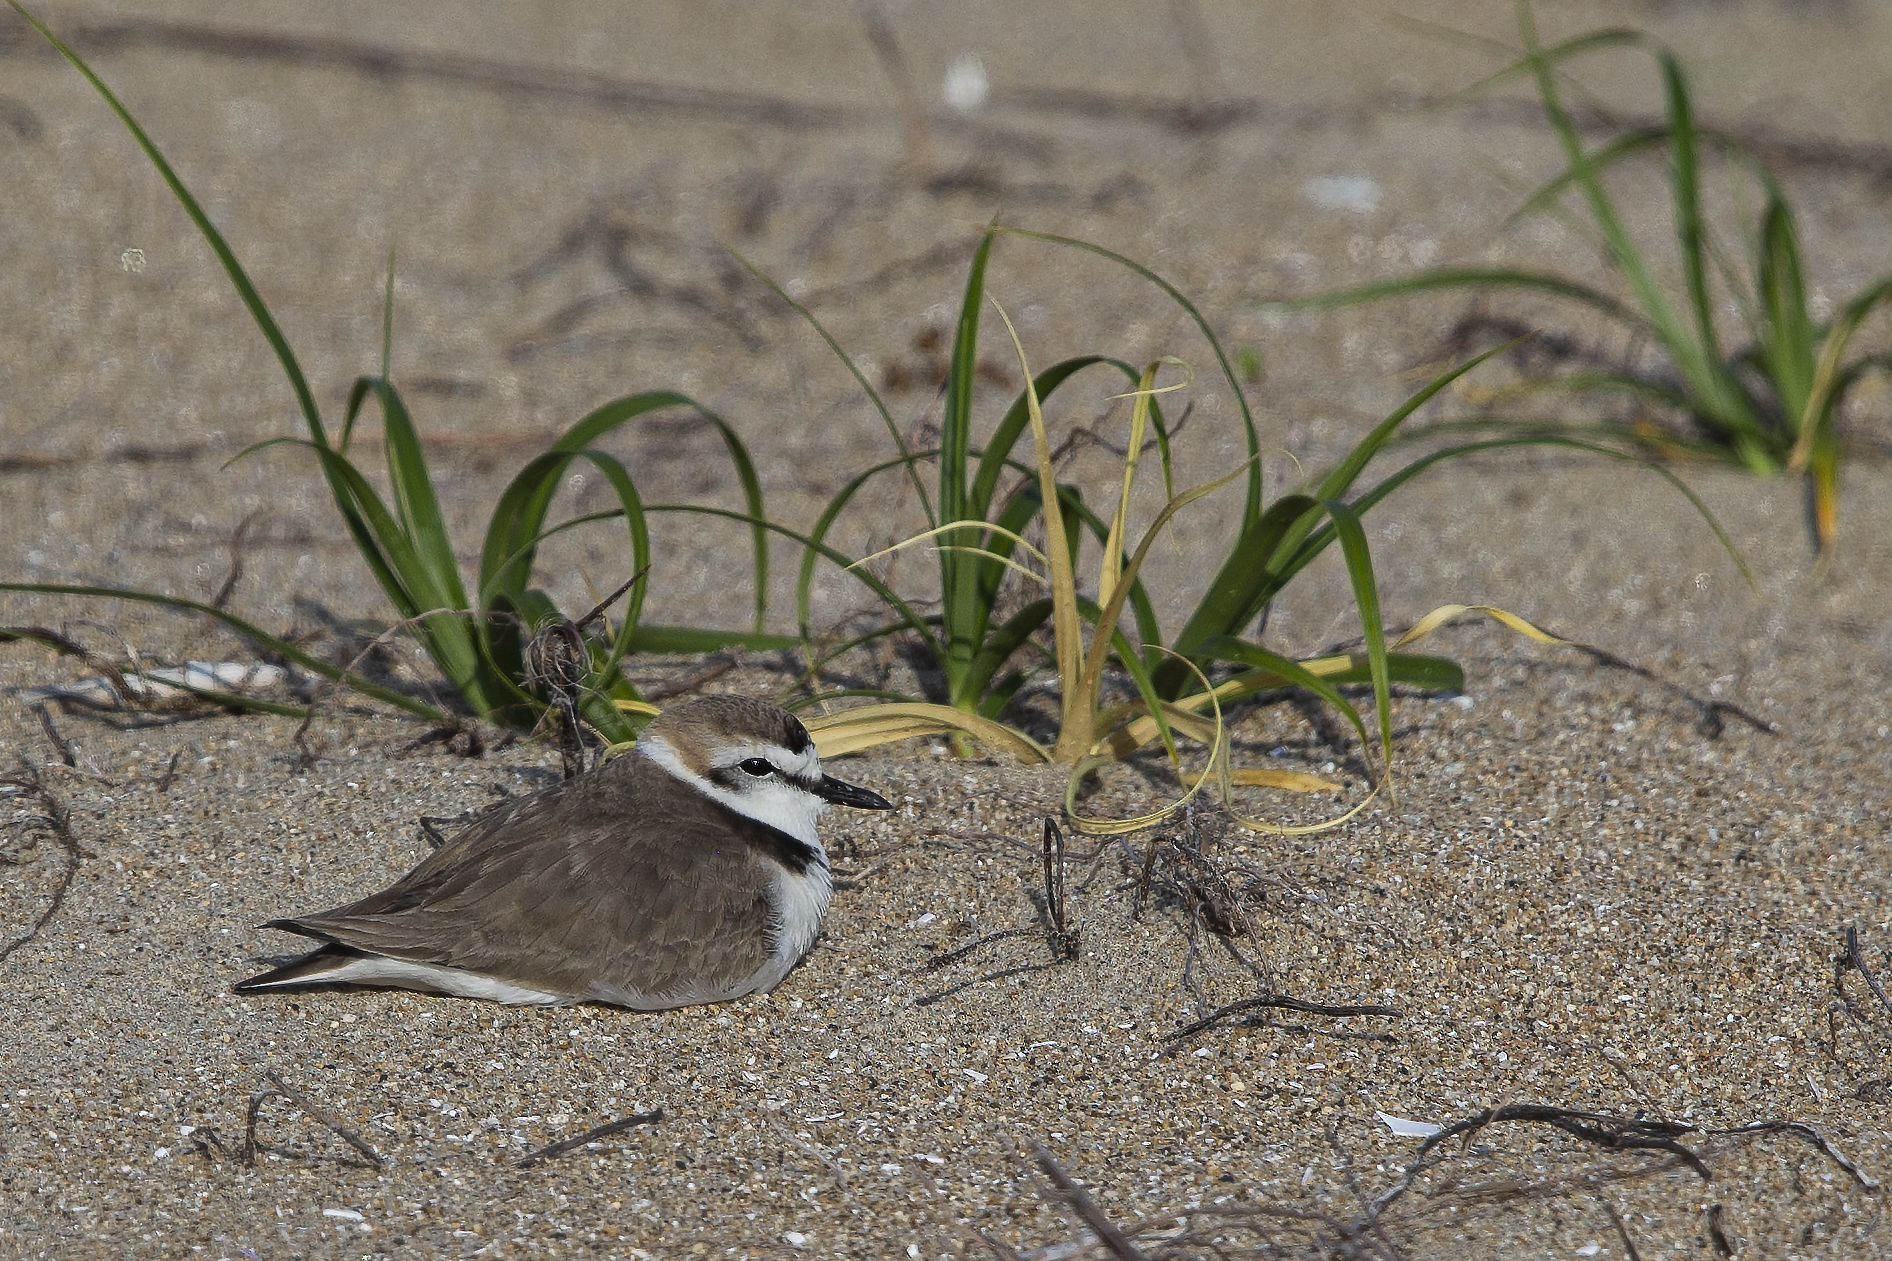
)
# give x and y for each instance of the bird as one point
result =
(686, 871)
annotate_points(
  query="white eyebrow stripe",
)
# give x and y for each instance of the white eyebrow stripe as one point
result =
(804, 766)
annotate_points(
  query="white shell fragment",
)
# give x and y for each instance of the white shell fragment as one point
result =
(167, 683)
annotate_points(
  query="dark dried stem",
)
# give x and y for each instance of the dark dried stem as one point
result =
(554, 1150)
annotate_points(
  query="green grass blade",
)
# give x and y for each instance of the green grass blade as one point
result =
(1239, 590)
(1786, 350)
(1318, 540)
(1341, 479)
(998, 648)
(1625, 146)
(1685, 179)
(956, 413)
(964, 615)
(1473, 278)
(518, 520)
(414, 497)
(239, 279)
(1715, 392)
(1521, 68)
(632, 505)
(1290, 673)
(893, 430)
(994, 458)
(1413, 669)
(1366, 602)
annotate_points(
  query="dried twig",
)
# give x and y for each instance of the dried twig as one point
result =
(170, 772)
(280, 1089)
(554, 1150)
(813, 1153)
(970, 1234)
(716, 667)
(1857, 962)
(1721, 1231)
(886, 46)
(1288, 1003)
(1057, 929)
(557, 660)
(57, 820)
(237, 538)
(1085, 1207)
(1063, 938)
(954, 956)
(927, 1000)
(1622, 1229)
(1812, 1136)
(61, 745)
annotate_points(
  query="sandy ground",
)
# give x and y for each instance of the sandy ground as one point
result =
(1598, 888)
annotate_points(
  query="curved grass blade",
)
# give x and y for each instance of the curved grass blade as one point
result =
(1274, 547)
(1321, 537)
(1255, 777)
(893, 430)
(519, 518)
(1162, 717)
(1074, 730)
(994, 458)
(964, 615)
(852, 730)
(1473, 278)
(1625, 146)
(804, 581)
(1446, 612)
(1247, 581)
(1685, 181)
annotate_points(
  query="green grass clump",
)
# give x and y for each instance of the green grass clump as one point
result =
(977, 528)
(1770, 405)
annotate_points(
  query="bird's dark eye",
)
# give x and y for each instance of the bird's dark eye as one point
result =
(760, 767)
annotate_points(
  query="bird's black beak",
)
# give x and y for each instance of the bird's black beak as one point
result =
(844, 794)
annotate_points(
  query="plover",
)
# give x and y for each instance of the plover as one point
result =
(687, 871)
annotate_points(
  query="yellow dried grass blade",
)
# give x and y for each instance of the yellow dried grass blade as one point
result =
(1093, 677)
(1138, 732)
(1112, 567)
(1218, 757)
(870, 726)
(1445, 613)
(948, 529)
(645, 708)
(1258, 777)
(1067, 627)
(1304, 829)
